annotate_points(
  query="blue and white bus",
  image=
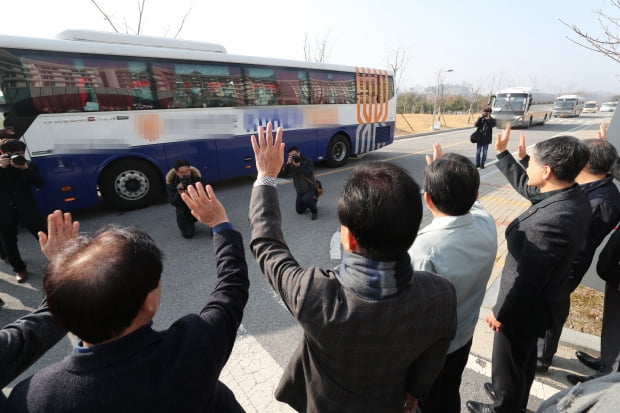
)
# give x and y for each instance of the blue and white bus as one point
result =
(522, 106)
(106, 114)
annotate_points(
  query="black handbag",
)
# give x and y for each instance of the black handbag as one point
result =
(475, 136)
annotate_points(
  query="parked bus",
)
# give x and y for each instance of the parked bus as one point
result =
(568, 106)
(522, 106)
(590, 107)
(106, 115)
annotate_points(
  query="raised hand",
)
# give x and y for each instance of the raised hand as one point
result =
(602, 131)
(204, 205)
(501, 143)
(522, 149)
(437, 153)
(268, 152)
(60, 229)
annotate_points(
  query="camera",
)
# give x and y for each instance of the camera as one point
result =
(296, 158)
(188, 180)
(16, 159)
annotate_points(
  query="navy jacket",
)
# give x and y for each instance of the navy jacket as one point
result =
(175, 370)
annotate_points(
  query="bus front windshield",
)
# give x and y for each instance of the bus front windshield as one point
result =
(509, 103)
(565, 103)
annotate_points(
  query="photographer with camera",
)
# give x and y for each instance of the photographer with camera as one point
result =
(17, 203)
(302, 172)
(177, 180)
(485, 125)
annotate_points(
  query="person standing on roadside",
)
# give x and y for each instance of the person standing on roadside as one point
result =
(542, 244)
(485, 125)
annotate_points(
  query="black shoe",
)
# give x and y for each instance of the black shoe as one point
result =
(314, 216)
(575, 378)
(541, 367)
(481, 166)
(488, 387)
(593, 362)
(477, 407)
(1, 302)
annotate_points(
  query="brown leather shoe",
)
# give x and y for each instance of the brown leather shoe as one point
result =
(21, 276)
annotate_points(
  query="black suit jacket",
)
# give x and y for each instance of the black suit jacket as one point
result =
(542, 244)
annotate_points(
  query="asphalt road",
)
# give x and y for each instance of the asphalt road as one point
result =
(189, 265)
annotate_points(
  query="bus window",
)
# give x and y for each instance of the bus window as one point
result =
(293, 87)
(332, 88)
(260, 86)
(186, 85)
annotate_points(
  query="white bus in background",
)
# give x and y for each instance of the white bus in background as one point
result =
(522, 106)
(590, 106)
(568, 106)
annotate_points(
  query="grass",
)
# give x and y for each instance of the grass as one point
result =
(417, 123)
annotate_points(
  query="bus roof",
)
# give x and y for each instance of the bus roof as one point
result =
(570, 97)
(124, 38)
(520, 89)
(139, 47)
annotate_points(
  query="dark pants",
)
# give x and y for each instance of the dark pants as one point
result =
(444, 397)
(513, 369)
(548, 345)
(185, 221)
(304, 201)
(8, 237)
(481, 153)
(610, 333)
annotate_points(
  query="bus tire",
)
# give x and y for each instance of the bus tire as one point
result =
(338, 151)
(130, 184)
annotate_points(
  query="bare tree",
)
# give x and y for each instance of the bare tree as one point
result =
(319, 52)
(141, 6)
(608, 43)
(397, 61)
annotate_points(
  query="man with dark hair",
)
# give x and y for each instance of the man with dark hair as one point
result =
(302, 172)
(604, 198)
(177, 180)
(106, 290)
(542, 243)
(374, 329)
(604, 157)
(17, 203)
(460, 244)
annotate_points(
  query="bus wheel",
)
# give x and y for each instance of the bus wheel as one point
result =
(338, 151)
(130, 184)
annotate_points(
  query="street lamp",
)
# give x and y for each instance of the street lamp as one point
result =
(439, 97)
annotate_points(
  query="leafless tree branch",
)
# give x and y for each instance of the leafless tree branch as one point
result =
(105, 15)
(608, 44)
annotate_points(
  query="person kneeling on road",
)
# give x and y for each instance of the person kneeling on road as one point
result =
(302, 172)
(177, 181)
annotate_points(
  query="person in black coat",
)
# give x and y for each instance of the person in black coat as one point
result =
(302, 172)
(485, 125)
(542, 244)
(604, 198)
(177, 180)
(17, 203)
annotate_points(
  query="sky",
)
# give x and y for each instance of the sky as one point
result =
(488, 44)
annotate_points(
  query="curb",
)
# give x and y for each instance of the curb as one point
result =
(433, 132)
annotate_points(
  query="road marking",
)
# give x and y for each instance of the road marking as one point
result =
(482, 366)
